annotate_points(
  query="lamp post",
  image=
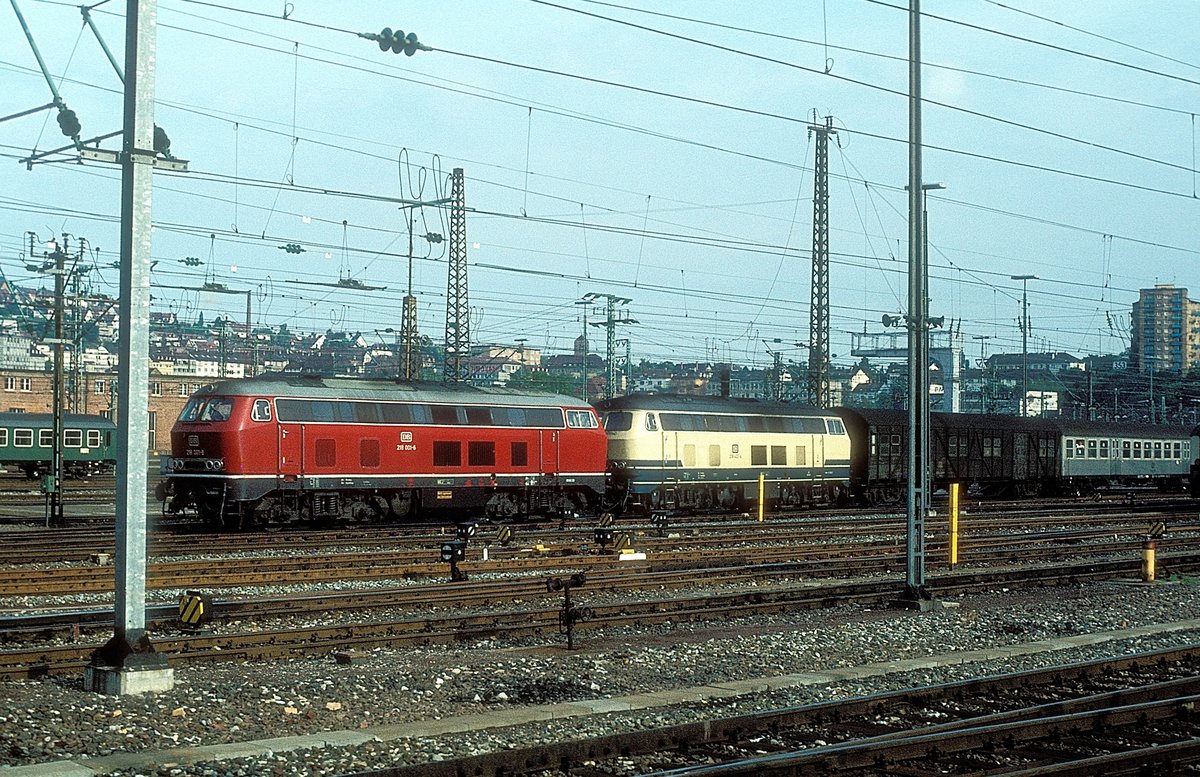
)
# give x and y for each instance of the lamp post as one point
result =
(1024, 279)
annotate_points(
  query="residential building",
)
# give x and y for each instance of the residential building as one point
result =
(1165, 330)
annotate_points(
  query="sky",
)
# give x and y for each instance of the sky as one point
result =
(658, 151)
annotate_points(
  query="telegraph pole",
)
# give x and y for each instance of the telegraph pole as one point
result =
(818, 337)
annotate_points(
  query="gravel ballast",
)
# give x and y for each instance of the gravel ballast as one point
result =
(53, 719)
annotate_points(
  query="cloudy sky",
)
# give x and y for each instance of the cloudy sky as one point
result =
(656, 150)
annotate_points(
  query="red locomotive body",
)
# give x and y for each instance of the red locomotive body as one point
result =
(269, 451)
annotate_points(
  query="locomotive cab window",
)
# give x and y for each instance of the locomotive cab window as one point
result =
(261, 410)
(581, 419)
(835, 426)
(217, 409)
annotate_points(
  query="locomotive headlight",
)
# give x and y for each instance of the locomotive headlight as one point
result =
(176, 464)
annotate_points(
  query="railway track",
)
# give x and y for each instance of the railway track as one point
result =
(507, 624)
(68, 545)
(1129, 715)
(666, 553)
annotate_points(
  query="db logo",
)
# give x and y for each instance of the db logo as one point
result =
(405, 436)
(193, 440)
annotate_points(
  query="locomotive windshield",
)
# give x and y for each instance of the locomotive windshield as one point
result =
(619, 421)
(191, 409)
(217, 409)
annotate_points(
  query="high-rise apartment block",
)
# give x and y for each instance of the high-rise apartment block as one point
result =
(1165, 330)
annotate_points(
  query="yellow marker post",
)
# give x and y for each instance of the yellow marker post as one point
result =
(953, 524)
(762, 495)
(1149, 567)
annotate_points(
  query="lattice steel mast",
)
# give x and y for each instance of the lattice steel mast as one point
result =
(818, 337)
(458, 312)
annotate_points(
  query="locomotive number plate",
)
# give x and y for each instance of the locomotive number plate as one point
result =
(445, 494)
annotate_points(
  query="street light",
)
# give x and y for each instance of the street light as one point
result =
(1024, 279)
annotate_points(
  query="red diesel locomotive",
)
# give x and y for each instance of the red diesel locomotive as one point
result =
(273, 450)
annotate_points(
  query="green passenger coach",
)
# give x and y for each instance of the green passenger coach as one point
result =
(27, 444)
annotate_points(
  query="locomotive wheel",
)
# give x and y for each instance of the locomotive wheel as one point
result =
(401, 504)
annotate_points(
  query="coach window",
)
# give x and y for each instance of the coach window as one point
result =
(1104, 449)
(261, 410)
(481, 453)
(1080, 451)
(3, 438)
(651, 423)
(1125, 450)
(520, 454)
(1069, 447)
(758, 455)
(447, 454)
(1158, 450)
(45, 438)
(779, 454)
(93, 438)
(73, 438)
(1178, 450)
(1137, 449)
(1091, 449)
(23, 438)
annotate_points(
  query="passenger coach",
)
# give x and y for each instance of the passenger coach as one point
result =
(696, 453)
(27, 443)
(264, 451)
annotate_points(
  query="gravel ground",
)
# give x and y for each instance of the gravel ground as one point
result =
(53, 719)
